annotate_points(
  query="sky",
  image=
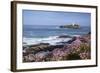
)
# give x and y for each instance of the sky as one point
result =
(36, 17)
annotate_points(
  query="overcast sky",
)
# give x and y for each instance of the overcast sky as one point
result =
(32, 17)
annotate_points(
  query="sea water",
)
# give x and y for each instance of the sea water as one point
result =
(35, 34)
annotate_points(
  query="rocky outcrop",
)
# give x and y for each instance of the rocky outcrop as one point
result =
(73, 26)
(77, 48)
(65, 36)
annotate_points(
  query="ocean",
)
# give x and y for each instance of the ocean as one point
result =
(35, 34)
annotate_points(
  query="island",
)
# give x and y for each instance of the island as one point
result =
(73, 26)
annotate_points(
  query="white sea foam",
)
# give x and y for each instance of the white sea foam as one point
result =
(53, 40)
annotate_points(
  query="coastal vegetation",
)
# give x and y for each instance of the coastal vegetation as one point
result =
(78, 48)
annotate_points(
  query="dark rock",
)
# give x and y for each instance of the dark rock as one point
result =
(89, 33)
(65, 36)
(39, 44)
(70, 41)
(43, 44)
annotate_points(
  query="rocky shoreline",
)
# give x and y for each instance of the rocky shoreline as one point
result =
(78, 48)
